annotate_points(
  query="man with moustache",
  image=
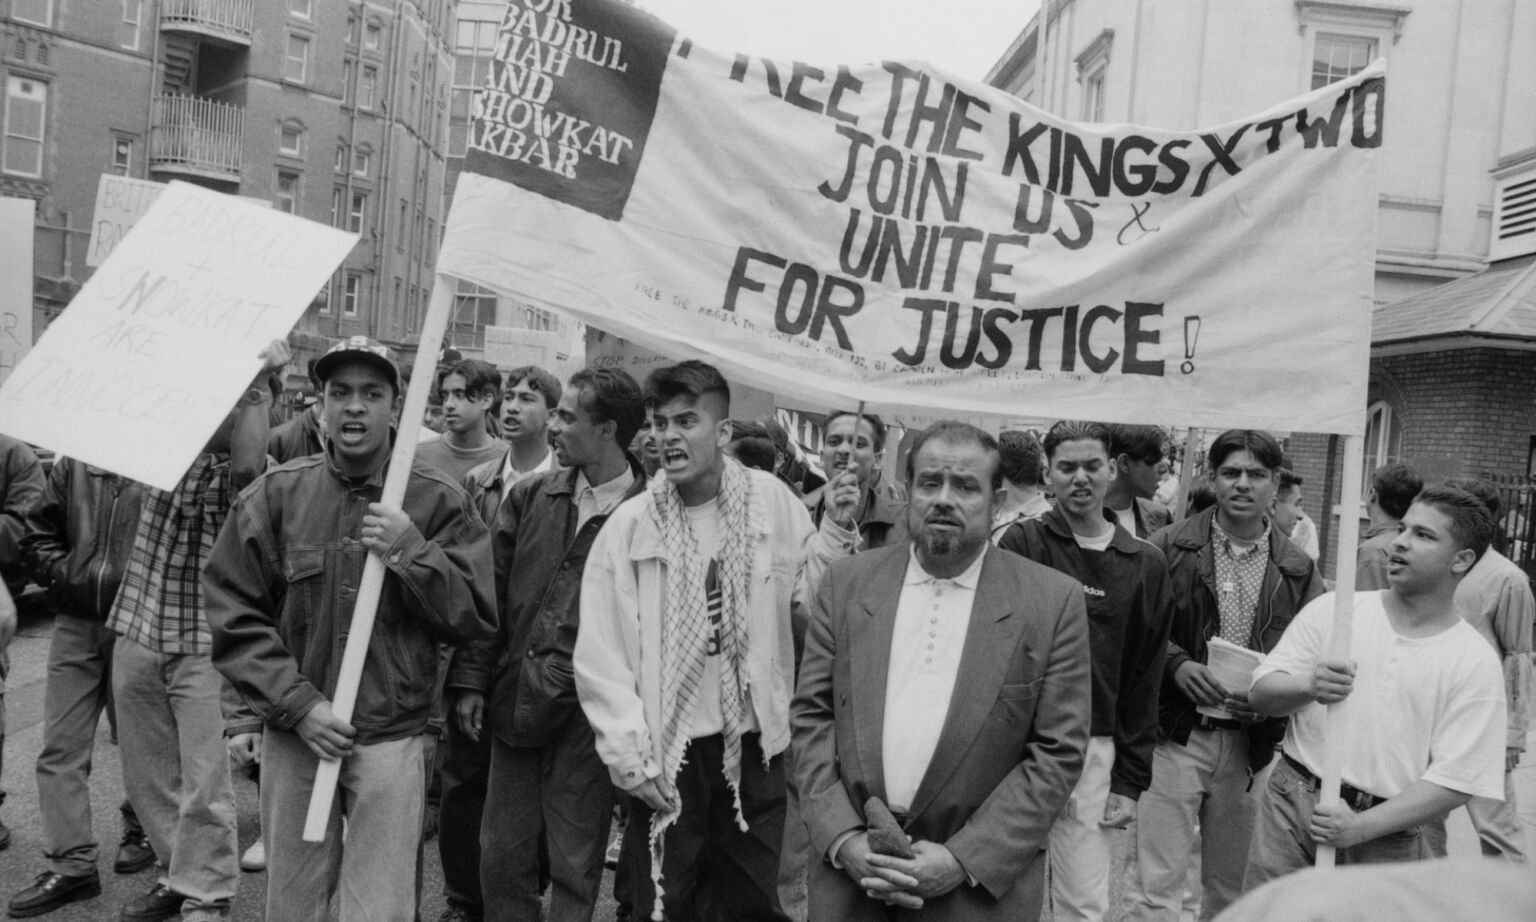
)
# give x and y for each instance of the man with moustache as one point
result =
(1235, 577)
(546, 779)
(685, 658)
(1130, 607)
(282, 583)
(950, 680)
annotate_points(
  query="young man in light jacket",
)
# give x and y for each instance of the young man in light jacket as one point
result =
(692, 599)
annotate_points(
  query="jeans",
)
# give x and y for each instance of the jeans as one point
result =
(711, 869)
(1204, 781)
(371, 862)
(176, 768)
(461, 804)
(560, 792)
(1282, 844)
(794, 898)
(1497, 823)
(1079, 846)
(79, 677)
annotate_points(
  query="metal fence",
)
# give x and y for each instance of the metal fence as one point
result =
(1517, 523)
(221, 16)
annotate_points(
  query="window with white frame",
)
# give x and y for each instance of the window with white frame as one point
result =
(133, 18)
(290, 139)
(359, 211)
(37, 12)
(296, 59)
(373, 35)
(122, 156)
(286, 198)
(352, 295)
(300, 9)
(365, 87)
(1341, 39)
(362, 161)
(1339, 57)
(1383, 439)
(340, 163)
(1092, 64)
(338, 198)
(26, 116)
(323, 299)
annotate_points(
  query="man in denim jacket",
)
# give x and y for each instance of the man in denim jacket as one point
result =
(281, 586)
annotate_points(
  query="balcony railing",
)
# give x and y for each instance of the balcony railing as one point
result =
(227, 19)
(199, 136)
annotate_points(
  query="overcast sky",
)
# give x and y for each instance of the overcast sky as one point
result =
(963, 38)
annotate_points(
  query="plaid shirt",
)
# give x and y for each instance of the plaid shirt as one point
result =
(160, 602)
(1239, 579)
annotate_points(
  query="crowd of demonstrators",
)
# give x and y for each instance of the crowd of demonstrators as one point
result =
(858, 698)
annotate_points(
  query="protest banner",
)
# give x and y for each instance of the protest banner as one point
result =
(513, 347)
(16, 249)
(887, 233)
(120, 202)
(145, 363)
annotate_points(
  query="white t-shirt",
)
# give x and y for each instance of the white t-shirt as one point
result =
(708, 719)
(1428, 708)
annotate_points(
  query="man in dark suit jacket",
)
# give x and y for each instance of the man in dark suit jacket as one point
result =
(951, 681)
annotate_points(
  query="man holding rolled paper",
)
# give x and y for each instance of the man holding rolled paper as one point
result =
(1234, 578)
(281, 587)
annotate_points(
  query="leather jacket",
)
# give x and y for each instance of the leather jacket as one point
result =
(79, 536)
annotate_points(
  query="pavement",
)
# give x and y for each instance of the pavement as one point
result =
(23, 861)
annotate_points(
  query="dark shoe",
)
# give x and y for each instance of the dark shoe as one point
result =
(455, 913)
(157, 905)
(134, 853)
(52, 890)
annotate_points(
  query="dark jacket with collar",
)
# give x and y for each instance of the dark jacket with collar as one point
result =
(79, 536)
(1290, 581)
(283, 578)
(1130, 610)
(882, 522)
(525, 670)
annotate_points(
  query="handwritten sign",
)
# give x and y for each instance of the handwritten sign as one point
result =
(16, 229)
(120, 202)
(885, 232)
(144, 365)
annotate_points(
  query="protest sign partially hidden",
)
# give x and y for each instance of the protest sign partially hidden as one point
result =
(148, 359)
(513, 347)
(887, 233)
(120, 202)
(16, 249)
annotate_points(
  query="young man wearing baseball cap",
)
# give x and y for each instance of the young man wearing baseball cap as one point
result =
(281, 585)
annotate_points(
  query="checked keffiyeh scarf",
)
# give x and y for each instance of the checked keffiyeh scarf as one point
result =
(686, 629)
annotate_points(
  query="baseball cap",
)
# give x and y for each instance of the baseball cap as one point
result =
(359, 348)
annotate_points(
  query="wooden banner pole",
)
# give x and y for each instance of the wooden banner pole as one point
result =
(369, 588)
(1335, 745)
(1192, 437)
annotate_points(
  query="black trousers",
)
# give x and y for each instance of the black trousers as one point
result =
(711, 869)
